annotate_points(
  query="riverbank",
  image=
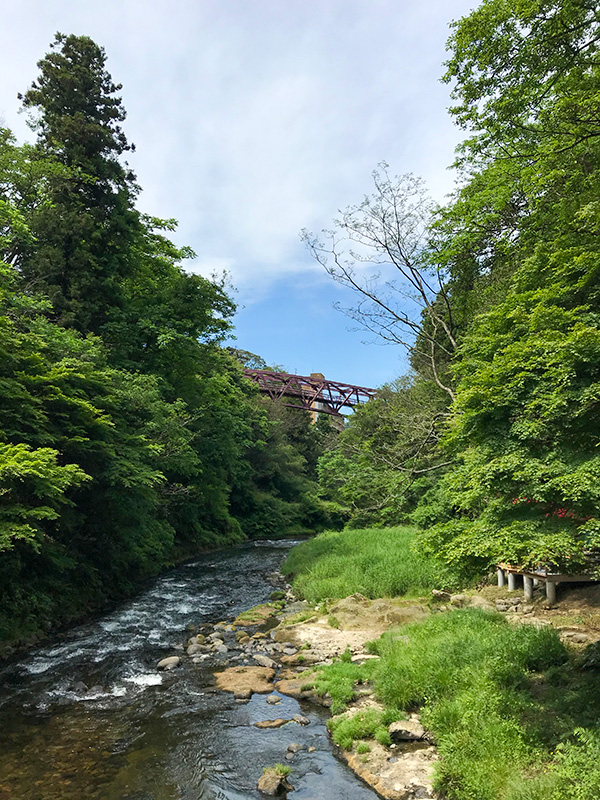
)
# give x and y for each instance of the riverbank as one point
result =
(88, 715)
(472, 695)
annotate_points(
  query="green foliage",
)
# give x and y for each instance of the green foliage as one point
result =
(498, 700)
(129, 439)
(339, 680)
(576, 771)
(370, 724)
(520, 240)
(33, 487)
(386, 457)
(525, 75)
(377, 562)
(85, 231)
(283, 770)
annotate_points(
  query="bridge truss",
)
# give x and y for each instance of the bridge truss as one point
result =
(312, 392)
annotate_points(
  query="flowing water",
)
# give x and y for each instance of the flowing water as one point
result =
(142, 735)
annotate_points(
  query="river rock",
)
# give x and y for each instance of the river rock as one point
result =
(576, 637)
(273, 784)
(170, 662)
(406, 730)
(477, 601)
(264, 661)
(80, 687)
(294, 687)
(244, 681)
(408, 776)
(299, 719)
(192, 649)
(221, 648)
(271, 723)
(459, 600)
(273, 699)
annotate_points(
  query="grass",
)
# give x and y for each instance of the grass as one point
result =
(279, 769)
(514, 714)
(376, 562)
(369, 724)
(339, 680)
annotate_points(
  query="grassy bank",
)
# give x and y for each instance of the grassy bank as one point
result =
(377, 562)
(514, 713)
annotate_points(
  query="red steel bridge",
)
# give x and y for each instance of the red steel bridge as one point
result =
(313, 392)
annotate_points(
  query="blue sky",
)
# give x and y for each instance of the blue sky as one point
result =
(254, 119)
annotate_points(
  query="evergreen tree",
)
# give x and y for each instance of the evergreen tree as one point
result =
(85, 233)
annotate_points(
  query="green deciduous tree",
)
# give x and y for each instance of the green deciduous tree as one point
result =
(523, 431)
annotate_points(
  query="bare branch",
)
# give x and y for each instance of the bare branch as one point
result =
(388, 232)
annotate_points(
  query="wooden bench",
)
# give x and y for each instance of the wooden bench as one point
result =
(508, 573)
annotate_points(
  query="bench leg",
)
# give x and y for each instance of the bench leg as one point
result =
(551, 592)
(512, 582)
(501, 579)
(528, 588)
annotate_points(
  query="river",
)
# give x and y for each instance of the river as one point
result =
(143, 735)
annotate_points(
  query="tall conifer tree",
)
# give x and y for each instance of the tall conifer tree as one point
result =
(84, 235)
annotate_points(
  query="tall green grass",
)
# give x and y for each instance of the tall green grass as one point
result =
(470, 671)
(376, 562)
(514, 715)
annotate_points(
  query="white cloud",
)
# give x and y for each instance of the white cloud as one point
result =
(255, 119)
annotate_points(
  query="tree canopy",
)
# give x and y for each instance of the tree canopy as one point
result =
(510, 457)
(129, 437)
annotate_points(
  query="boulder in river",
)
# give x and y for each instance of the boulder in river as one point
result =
(244, 681)
(300, 719)
(264, 661)
(273, 782)
(272, 723)
(170, 662)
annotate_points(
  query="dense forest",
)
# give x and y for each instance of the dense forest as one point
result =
(129, 437)
(490, 445)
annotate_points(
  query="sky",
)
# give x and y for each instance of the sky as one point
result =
(255, 119)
